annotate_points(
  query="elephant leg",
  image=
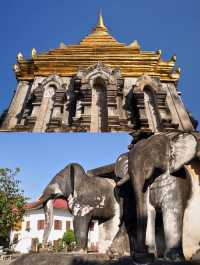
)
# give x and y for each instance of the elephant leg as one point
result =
(173, 227)
(48, 211)
(141, 252)
(81, 227)
(150, 233)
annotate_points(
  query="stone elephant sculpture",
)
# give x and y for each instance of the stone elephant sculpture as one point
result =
(167, 199)
(154, 162)
(123, 242)
(88, 198)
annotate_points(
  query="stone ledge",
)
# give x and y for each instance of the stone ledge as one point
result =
(84, 259)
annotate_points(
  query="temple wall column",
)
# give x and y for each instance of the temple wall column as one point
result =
(16, 105)
(78, 109)
(129, 82)
(177, 109)
(58, 104)
(44, 113)
(65, 116)
(121, 113)
(95, 115)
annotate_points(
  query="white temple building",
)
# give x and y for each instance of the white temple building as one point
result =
(32, 228)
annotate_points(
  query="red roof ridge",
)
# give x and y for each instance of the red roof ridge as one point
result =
(58, 204)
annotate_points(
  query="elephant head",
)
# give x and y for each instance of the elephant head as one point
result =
(61, 186)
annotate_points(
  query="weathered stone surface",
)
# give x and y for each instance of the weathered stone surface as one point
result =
(97, 99)
(16, 106)
(87, 259)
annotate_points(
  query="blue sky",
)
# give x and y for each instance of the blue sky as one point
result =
(172, 26)
(41, 156)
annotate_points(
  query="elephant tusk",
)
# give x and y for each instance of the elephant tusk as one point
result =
(123, 181)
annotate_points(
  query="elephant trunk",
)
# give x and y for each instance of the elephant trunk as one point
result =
(36, 205)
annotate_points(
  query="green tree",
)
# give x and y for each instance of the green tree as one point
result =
(12, 201)
(68, 237)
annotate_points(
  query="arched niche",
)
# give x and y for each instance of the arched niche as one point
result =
(146, 80)
(151, 109)
(53, 80)
(150, 87)
(103, 82)
(99, 107)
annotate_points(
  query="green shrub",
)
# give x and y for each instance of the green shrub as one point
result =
(68, 237)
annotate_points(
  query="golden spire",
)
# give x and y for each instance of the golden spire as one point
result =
(33, 53)
(99, 35)
(100, 22)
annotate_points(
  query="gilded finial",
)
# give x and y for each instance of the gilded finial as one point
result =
(62, 45)
(159, 52)
(178, 70)
(100, 22)
(20, 56)
(33, 53)
(173, 58)
(134, 45)
(16, 68)
(176, 73)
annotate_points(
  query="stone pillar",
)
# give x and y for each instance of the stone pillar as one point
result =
(16, 105)
(119, 100)
(177, 109)
(65, 116)
(44, 113)
(95, 125)
(151, 111)
(58, 104)
(78, 109)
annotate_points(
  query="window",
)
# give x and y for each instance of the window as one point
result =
(57, 225)
(67, 225)
(28, 226)
(40, 224)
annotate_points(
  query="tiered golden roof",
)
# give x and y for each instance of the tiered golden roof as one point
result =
(99, 45)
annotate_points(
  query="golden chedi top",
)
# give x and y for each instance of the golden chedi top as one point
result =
(100, 23)
(100, 36)
(98, 46)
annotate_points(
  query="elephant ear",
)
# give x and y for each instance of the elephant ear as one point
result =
(121, 166)
(121, 169)
(71, 177)
(183, 150)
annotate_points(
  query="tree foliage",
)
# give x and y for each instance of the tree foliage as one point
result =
(68, 237)
(12, 201)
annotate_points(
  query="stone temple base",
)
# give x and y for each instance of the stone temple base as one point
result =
(85, 259)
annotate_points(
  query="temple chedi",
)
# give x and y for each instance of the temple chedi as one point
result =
(98, 85)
